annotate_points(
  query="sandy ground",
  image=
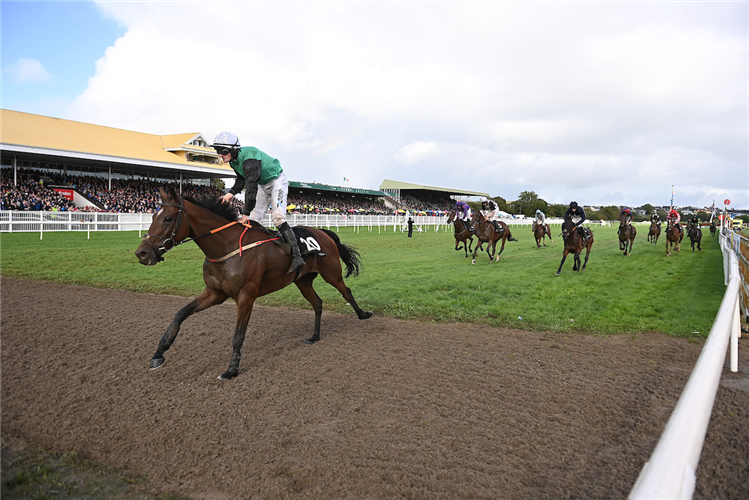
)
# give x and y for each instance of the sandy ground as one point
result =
(379, 409)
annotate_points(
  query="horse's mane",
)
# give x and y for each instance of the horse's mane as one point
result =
(215, 205)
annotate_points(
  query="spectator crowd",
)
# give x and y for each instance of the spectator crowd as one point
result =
(32, 192)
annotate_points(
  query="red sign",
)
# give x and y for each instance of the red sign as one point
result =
(67, 193)
(727, 202)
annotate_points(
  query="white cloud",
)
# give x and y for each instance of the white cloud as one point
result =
(559, 99)
(416, 152)
(27, 70)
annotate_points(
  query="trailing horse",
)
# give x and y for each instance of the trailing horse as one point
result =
(673, 238)
(654, 233)
(243, 263)
(573, 244)
(695, 235)
(485, 232)
(627, 234)
(463, 233)
(539, 232)
(712, 229)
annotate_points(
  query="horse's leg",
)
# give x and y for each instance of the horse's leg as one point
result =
(564, 256)
(245, 301)
(304, 284)
(587, 254)
(336, 280)
(491, 248)
(206, 299)
(504, 237)
(576, 265)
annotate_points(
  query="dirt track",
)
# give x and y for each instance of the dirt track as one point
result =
(378, 409)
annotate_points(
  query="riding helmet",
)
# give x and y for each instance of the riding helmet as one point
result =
(226, 140)
(573, 204)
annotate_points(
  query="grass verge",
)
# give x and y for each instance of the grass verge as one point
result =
(423, 278)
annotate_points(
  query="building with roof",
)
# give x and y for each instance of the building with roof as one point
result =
(73, 148)
(398, 189)
(76, 148)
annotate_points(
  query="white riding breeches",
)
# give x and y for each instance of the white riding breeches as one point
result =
(272, 195)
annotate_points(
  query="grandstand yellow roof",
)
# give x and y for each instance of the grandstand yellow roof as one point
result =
(25, 129)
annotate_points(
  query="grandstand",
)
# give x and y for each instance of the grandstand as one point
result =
(54, 164)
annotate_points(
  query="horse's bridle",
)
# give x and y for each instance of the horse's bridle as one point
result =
(170, 242)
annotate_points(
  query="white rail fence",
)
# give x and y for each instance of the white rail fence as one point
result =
(41, 222)
(671, 471)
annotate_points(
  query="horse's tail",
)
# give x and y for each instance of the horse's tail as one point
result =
(348, 254)
(510, 237)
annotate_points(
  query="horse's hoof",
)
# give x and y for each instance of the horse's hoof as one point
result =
(558, 273)
(366, 315)
(308, 341)
(156, 363)
(228, 375)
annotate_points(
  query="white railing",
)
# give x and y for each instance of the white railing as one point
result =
(671, 471)
(41, 222)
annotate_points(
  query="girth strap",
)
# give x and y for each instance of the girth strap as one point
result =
(239, 250)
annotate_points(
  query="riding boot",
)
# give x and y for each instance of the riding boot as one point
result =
(497, 227)
(296, 256)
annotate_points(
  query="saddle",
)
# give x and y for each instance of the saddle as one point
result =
(308, 244)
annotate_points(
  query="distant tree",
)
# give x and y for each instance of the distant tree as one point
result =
(703, 216)
(556, 210)
(527, 204)
(501, 203)
(609, 213)
(649, 209)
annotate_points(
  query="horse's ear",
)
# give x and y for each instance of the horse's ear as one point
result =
(172, 192)
(162, 193)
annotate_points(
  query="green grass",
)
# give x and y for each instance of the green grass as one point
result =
(424, 278)
(43, 475)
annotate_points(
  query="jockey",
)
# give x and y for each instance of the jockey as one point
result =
(577, 214)
(627, 213)
(655, 218)
(694, 221)
(462, 206)
(491, 210)
(264, 183)
(540, 220)
(674, 216)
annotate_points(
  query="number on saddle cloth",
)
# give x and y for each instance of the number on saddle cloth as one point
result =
(308, 244)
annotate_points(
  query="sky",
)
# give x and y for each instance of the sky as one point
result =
(604, 103)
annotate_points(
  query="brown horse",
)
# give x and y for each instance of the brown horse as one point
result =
(673, 237)
(242, 262)
(627, 234)
(712, 229)
(573, 243)
(485, 232)
(695, 235)
(463, 233)
(539, 232)
(654, 233)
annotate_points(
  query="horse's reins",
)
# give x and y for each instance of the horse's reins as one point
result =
(173, 242)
